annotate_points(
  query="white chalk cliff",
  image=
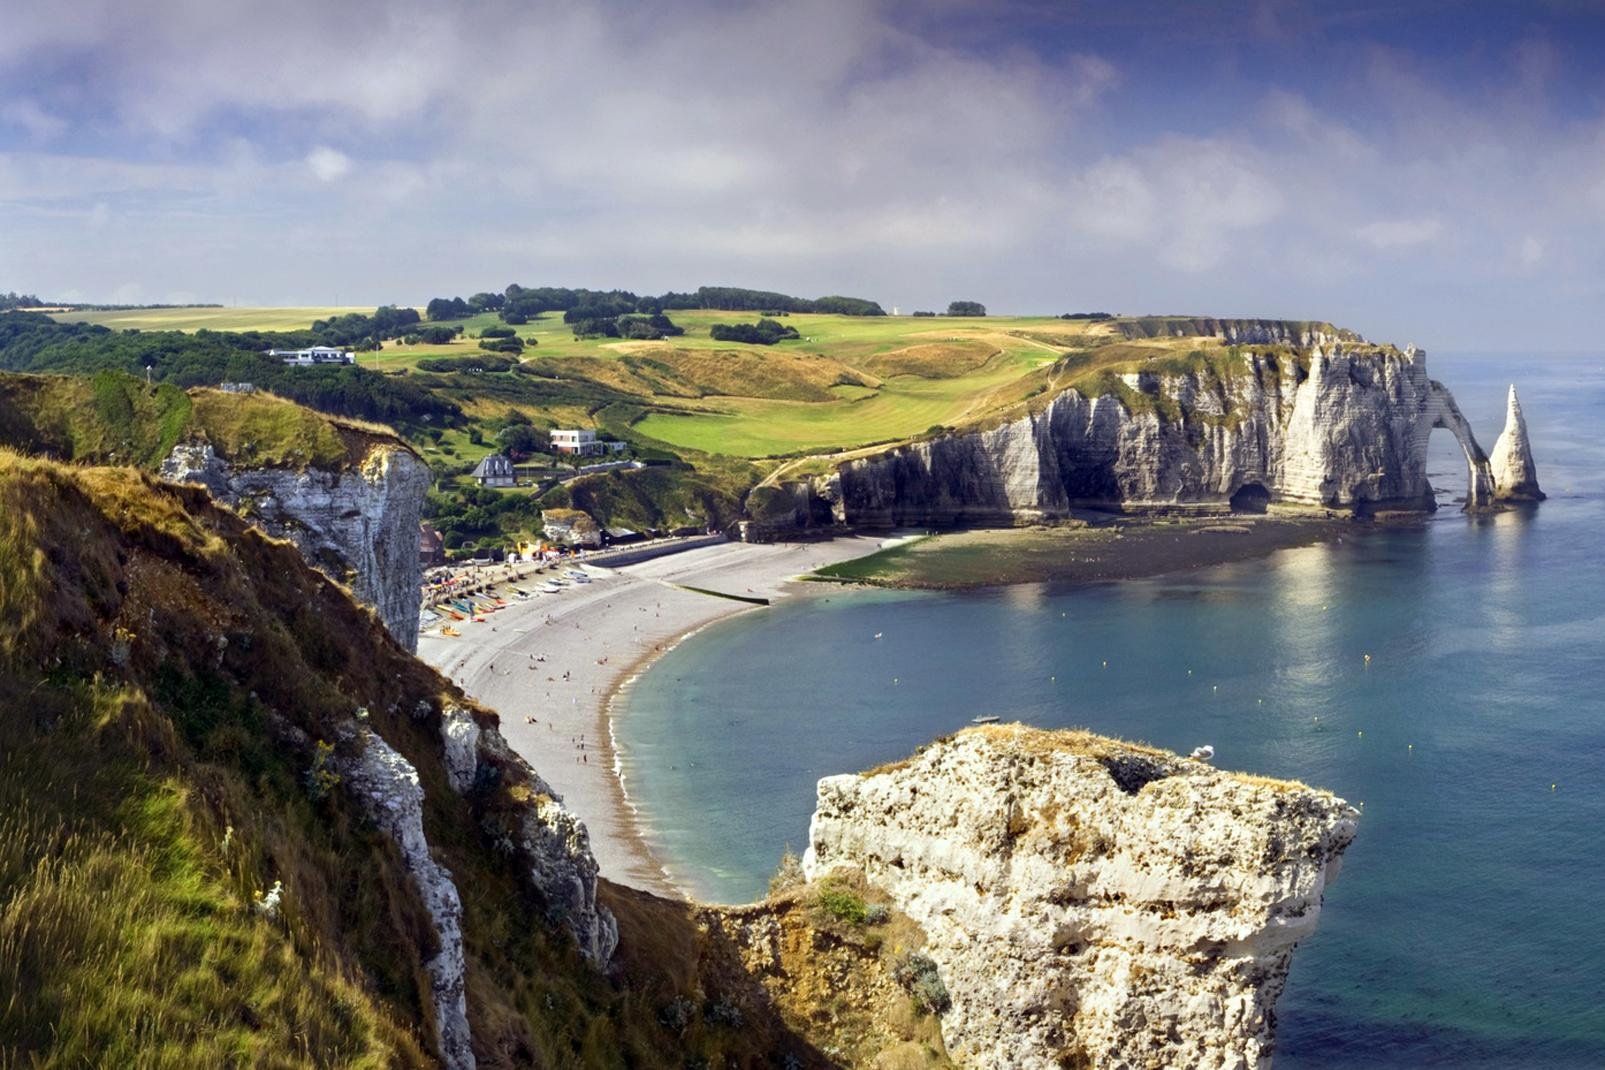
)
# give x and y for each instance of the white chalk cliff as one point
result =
(1089, 902)
(1514, 472)
(357, 524)
(1317, 420)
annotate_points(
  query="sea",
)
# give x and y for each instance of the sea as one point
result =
(1467, 928)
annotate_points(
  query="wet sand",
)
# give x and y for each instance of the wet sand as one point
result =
(1112, 549)
(549, 666)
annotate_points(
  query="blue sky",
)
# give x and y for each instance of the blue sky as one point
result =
(1427, 172)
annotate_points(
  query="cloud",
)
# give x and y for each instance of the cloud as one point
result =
(1027, 157)
(1184, 199)
(328, 165)
(1399, 233)
(28, 115)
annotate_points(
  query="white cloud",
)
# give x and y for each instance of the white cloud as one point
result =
(328, 165)
(1399, 233)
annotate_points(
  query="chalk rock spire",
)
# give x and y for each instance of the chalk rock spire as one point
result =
(1515, 475)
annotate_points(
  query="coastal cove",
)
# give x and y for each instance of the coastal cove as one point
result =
(1479, 697)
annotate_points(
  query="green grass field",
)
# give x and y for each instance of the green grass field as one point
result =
(212, 319)
(849, 381)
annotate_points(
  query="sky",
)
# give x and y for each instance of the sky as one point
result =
(1424, 172)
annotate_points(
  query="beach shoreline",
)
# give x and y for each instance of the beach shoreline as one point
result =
(553, 665)
(605, 636)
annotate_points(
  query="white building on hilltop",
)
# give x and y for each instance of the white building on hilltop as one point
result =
(582, 442)
(314, 355)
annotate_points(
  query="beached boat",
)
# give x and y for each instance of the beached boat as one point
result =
(550, 588)
(985, 719)
(446, 629)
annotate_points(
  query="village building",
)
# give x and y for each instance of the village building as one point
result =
(313, 355)
(582, 442)
(431, 546)
(496, 470)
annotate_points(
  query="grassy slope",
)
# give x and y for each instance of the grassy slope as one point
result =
(153, 643)
(111, 417)
(736, 415)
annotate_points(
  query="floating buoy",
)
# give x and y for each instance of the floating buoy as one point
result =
(1368, 659)
(1106, 664)
(1361, 732)
(894, 679)
(1053, 679)
(1189, 672)
(1551, 787)
(1410, 746)
(1214, 687)
(879, 634)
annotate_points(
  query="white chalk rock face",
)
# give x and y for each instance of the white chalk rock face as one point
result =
(459, 740)
(387, 786)
(1333, 423)
(556, 846)
(358, 525)
(1090, 902)
(1515, 473)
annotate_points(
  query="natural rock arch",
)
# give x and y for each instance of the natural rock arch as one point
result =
(1441, 411)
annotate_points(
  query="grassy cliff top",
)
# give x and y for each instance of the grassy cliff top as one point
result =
(167, 675)
(110, 417)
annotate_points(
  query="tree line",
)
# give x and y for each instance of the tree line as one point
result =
(33, 342)
(519, 304)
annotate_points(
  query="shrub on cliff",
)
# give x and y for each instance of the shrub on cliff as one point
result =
(917, 973)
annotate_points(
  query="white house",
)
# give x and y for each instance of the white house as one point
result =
(582, 442)
(496, 470)
(314, 355)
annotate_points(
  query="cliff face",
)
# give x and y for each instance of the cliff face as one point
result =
(1340, 427)
(1088, 902)
(358, 523)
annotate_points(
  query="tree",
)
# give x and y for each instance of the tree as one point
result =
(966, 308)
(447, 308)
(765, 332)
(519, 438)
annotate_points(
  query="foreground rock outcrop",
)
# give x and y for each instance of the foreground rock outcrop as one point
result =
(358, 523)
(1090, 902)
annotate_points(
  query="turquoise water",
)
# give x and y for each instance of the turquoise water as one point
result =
(1468, 927)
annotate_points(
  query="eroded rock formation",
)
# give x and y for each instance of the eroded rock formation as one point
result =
(1335, 425)
(358, 524)
(1087, 901)
(387, 786)
(1514, 473)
